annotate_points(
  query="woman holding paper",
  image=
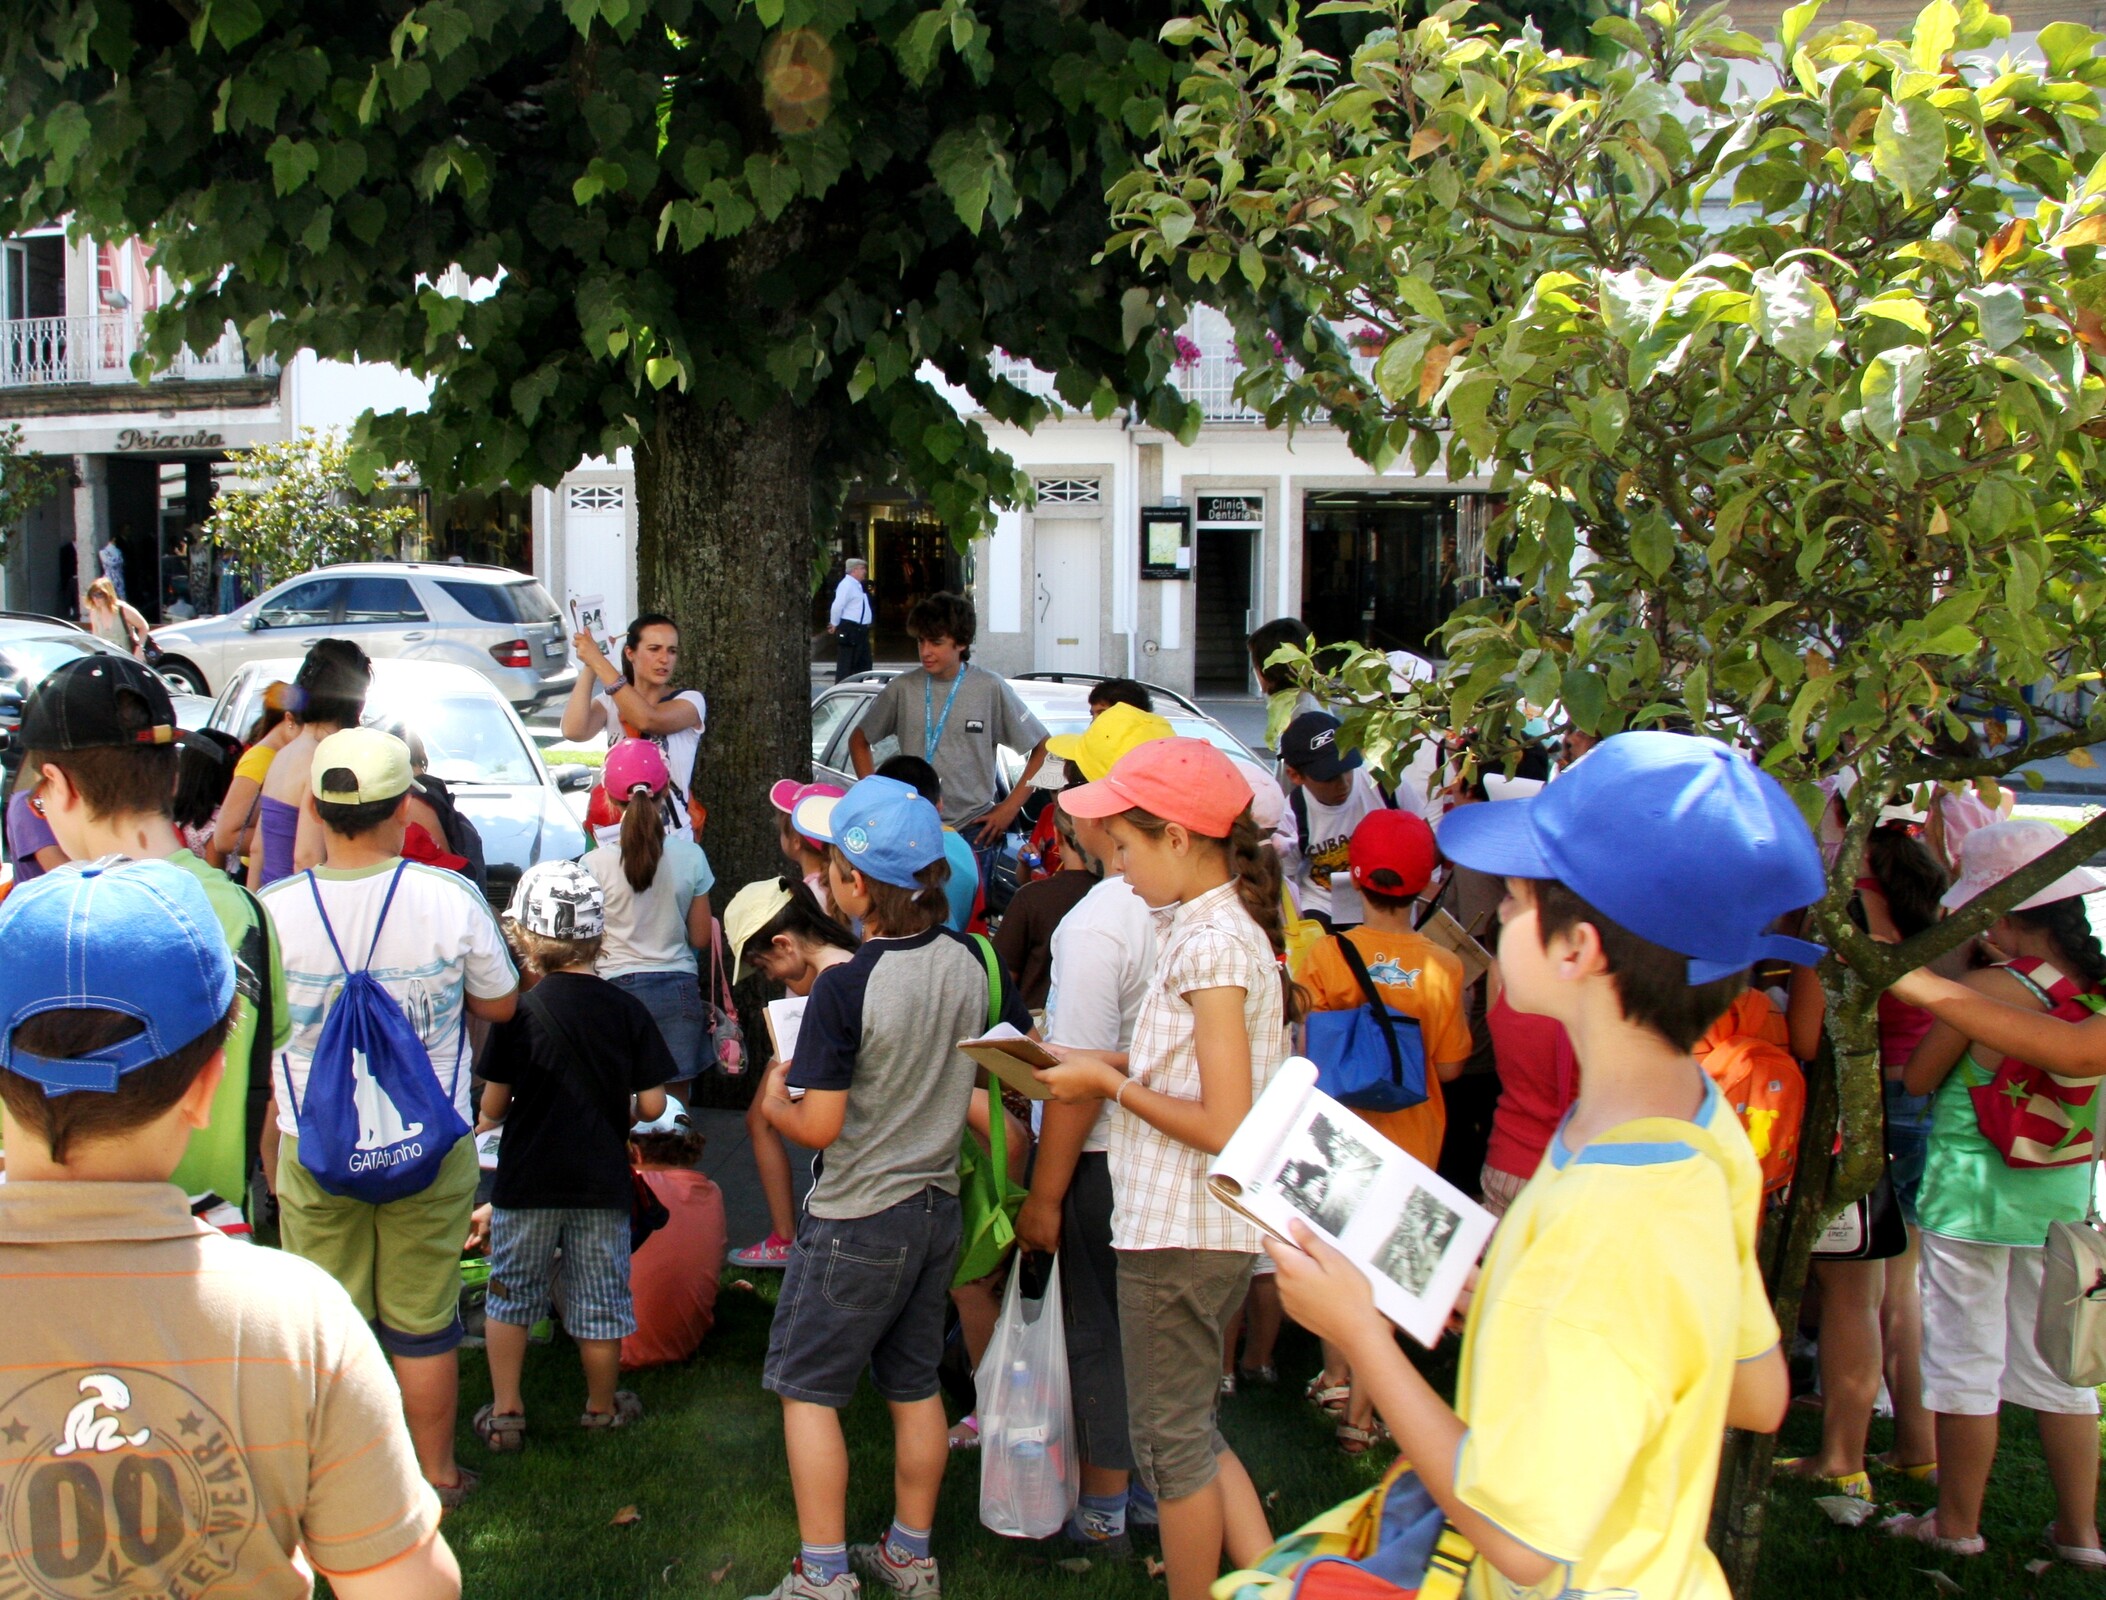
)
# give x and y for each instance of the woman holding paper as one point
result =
(1209, 1035)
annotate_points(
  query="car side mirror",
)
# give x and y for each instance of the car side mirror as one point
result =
(250, 624)
(571, 777)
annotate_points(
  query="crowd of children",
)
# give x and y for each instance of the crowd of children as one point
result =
(1195, 923)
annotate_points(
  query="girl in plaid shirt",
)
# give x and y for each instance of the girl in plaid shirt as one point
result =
(1209, 1036)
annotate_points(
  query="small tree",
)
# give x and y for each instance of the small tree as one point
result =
(1794, 388)
(27, 480)
(304, 509)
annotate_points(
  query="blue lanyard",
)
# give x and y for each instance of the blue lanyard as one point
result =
(932, 731)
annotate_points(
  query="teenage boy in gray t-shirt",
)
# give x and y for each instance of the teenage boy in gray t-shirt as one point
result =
(955, 715)
(885, 1095)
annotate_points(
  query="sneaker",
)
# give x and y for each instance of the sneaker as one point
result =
(798, 1587)
(1267, 1374)
(772, 1254)
(915, 1576)
(1228, 1384)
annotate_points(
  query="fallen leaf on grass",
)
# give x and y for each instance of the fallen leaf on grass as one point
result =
(627, 1517)
(1271, 1498)
(1074, 1564)
(2036, 1568)
(721, 1573)
(1849, 1512)
(1939, 1581)
(741, 1283)
(1155, 1568)
(666, 1577)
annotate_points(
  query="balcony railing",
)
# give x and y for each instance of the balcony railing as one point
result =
(35, 351)
(1210, 380)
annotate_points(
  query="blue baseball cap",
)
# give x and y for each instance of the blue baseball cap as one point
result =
(1680, 840)
(884, 827)
(137, 937)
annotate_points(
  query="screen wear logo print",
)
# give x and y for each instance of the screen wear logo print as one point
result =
(119, 1484)
(855, 841)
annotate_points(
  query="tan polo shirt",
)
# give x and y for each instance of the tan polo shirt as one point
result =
(180, 1413)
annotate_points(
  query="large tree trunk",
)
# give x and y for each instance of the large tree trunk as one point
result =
(1843, 1079)
(724, 546)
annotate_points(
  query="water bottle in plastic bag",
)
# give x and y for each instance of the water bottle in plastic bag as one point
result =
(1030, 1474)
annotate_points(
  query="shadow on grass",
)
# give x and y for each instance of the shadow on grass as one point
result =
(706, 1469)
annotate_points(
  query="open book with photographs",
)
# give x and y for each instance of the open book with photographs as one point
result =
(1300, 1156)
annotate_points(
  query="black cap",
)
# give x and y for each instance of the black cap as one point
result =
(81, 707)
(1310, 747)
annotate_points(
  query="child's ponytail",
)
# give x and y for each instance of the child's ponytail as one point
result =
(1256, 871)
(643, 838)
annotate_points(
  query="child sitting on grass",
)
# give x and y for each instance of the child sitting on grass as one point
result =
(560, 1075)
(673, 1274)
(886, 1091)
(1618, 1324)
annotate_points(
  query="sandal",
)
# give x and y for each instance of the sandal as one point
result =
(1924, 1530)
(966, 1434)
(1358, 1441)
(627, 1409)
(500, 1434)
(1857, 1485)
(1327, 1397)
(1921, 1471)
(465, 1483)
(772, 1254)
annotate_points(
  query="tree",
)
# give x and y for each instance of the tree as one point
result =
(27, 480)
(726, 233)
(1788, 356)
(305, 510)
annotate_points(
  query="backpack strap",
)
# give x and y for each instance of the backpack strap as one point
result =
(380, 922)
(257, 1097)
(993, 964)
(322, 911)
(1298, 803)
(1376, 1003)
(997, 1116)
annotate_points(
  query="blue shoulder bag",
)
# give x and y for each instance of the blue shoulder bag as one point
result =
(1371, 1058)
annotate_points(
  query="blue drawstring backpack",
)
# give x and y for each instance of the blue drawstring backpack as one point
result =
(374, 1125)
(1371, 1058)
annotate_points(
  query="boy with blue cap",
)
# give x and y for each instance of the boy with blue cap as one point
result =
(884, 1092)
(1619, 1323)
(218, 1417)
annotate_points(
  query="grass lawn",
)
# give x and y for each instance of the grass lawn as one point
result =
(706, 1470)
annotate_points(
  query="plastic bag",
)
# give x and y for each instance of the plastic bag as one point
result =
(1030, 1473)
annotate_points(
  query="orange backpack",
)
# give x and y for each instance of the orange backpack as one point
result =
(1745, 1056)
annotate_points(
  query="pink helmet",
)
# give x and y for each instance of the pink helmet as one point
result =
(631, 765)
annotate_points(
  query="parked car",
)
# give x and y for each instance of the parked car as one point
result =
(473, 739)
(1060, 700)
(496, 621)
(32, 646)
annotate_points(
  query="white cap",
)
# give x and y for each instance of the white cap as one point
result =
(559, 900)
(671, 1120)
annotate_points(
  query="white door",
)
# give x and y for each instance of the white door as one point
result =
(599, 560)
(1064, 595)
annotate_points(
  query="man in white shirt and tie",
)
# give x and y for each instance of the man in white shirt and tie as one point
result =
(849, 621)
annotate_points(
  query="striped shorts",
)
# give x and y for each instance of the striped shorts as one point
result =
(594, 1246)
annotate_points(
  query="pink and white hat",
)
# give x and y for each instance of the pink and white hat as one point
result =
(786, 792)
(634, 764)
(1991, 854)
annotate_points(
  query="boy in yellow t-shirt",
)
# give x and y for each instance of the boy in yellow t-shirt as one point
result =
(1618, 1324)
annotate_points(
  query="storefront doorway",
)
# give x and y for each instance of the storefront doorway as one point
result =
(910, 555)
(1386, 569)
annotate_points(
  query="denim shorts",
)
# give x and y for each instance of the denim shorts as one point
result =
(674, 1000)
(594, 1242)
(865, 1291)
(1908, 1143)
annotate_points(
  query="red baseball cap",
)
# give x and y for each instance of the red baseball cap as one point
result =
(1180, 780)
(1392, 852)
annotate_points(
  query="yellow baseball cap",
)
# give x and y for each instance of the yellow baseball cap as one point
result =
(360, 765)
(751, 910)
(1115, 730)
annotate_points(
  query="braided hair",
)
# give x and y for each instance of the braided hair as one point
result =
(2065, 922)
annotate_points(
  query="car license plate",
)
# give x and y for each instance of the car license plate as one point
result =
(554, 647)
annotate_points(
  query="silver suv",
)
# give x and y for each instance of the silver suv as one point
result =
(499, 622)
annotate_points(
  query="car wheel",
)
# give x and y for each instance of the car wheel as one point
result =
(182, 675)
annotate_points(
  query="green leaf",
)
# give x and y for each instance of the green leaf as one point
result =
(1652, 542)
(1792, 313)
(1696, 695)
(1586, 697)
(1136, 314)
(1468, 403)
(774, 185)
(1252, 264)
(2000, 309)
(66, 130)
(964, 161)
(916, 45)
(662, 370)
(1892, 379)
(1794, 23)
(1398, 367)
(342, 164)
(2068, 47)
(1607, 414)
(1908, 146)
(292, 162)
(861, 380)
(233, 22)
(1903, 308)
(1931, 40)
(1421, 296)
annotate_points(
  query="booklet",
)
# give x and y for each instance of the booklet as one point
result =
(1300, 1156)
(784, 1018)
(1453, 937)
(1010, 1055)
